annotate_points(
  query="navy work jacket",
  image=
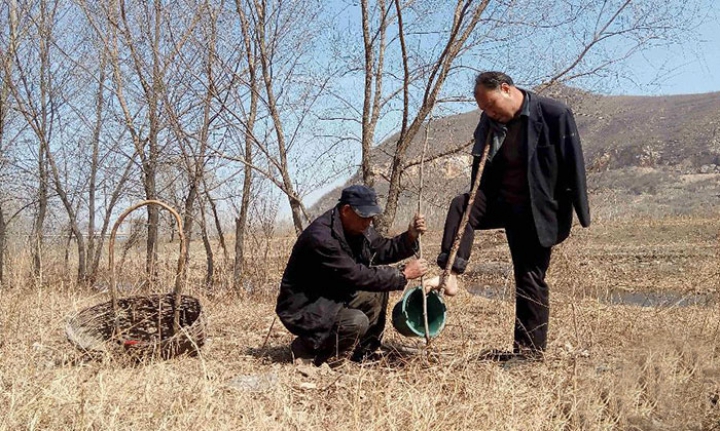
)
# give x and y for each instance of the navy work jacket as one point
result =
(323, 273)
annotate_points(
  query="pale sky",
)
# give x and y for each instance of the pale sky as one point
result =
(695, 65)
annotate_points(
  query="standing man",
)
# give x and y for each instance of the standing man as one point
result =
(533, 178)
(334, 291)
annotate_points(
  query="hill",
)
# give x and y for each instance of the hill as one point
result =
(645, 155)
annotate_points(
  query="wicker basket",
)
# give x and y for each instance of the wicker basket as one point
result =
(147, 326)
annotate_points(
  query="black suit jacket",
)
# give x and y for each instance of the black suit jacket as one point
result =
(555, 170)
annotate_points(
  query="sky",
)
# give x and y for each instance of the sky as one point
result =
(695, 64)
(690, 67)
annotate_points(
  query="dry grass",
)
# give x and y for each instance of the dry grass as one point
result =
(609, 366)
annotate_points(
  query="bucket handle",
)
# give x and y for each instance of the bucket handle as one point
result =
(180, 265)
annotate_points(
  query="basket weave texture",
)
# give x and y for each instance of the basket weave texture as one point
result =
(157, 326)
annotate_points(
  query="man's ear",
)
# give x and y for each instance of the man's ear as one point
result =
(505, 88)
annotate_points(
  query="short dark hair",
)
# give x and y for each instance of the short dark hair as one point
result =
(492, 80)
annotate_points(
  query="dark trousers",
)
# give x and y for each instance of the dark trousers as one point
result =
(359, 326)
(530, 264)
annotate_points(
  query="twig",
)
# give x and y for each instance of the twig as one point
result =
(268, 334)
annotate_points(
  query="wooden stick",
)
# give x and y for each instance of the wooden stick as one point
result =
(419, 210)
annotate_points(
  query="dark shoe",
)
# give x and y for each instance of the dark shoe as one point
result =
(524, 355)
(495, 355)
(530, 355)
(365, 355)
(300, 350)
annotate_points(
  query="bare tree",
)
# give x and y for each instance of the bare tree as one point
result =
(7, 60)
(51, 113)
(374, 66)
(108, 176)
(241, 221)
(411, 48)
(270, 21)
(193, 143)
(34, 92)
(429, 77)
(139, 53)
(193, 108)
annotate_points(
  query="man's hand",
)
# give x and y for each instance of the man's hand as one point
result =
(415, 268)
(449, 285)
(417, 227)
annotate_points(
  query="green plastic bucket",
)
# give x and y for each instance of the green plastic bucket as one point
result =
(407, 315)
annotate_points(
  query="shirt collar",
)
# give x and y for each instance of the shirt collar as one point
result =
(525, 108)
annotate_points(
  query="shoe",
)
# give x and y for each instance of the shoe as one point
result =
(361, 355)
(300, 350)
(529, 354)
(524, 355)
(495, 355)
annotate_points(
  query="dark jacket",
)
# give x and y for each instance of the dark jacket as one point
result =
(324, 272)
(555, 170)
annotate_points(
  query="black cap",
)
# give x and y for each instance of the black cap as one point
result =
(362, 200)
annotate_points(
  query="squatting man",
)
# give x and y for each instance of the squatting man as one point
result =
(334, 292)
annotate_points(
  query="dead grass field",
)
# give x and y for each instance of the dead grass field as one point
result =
(619, 367)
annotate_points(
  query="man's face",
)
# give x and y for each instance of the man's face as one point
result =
(497, 103)
(353, 224)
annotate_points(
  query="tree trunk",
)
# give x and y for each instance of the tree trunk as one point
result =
(152, 227)
(218, 227)
(189, 219)
(209, 255)
(67, 248)
(372, 98)
(241, 221)
(239, 253)
(94, 166)
(2, 247)
(39, 222)
(293, 198)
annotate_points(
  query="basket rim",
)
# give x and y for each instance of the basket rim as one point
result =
(73, 329)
